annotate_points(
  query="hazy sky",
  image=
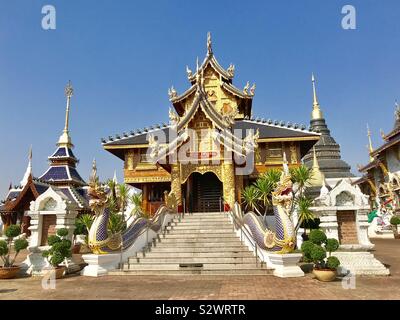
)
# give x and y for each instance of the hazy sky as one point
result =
(122, 56)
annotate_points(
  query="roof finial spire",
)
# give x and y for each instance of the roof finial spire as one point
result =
(209, 43)
(28, 171)
(397, 110)
(93, 179)
(115, 180)
(370, 148)
(285, 164)
(316, 113)
(65, 139)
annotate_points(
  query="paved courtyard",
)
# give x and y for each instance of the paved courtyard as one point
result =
(214, 287)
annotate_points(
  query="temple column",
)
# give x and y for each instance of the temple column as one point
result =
(145, 197)
(228, 174)
(238, 187)
(176, 185)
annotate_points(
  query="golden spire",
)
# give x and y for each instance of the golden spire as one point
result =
(65, 139)
(318, 177)
(370, 148)
(316, 112)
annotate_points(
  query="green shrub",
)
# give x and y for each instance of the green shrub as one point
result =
(3, 248)
(60, 248)
(306, 248)
(332, 262)
(5, 245)
(79, 228)
(318, 254)
(316, 249)
(20, 244)
(13, 231)
(331, 245)
(51, 240)
(317, 237)
(395, 220)
(63, 232)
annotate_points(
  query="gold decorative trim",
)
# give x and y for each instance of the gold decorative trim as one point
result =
(147, 179)
(188, 169)
(126, 146)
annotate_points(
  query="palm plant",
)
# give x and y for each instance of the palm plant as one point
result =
(116, 223)
(86, 220)
(250, 197)
(111, 185)
(273, 175)
(303, 210)
(301, 176)
(123, 194)
(136, 200)
(264, 187)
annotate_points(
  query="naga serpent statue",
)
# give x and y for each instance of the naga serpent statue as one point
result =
(283, 239)
(100, 240)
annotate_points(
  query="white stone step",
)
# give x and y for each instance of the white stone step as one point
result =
(200, 243)
(199, 231)
(171, 254)
(204, 260)
(201, 249)
(193, 272)
(206, 266)
(198, 235)
(200, 226)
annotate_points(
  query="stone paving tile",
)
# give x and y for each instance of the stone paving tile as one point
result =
(213, 287)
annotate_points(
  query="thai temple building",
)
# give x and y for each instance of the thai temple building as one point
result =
(213, 146)
(61, 175)
(381, 176)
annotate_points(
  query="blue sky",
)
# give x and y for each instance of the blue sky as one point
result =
(122, 56)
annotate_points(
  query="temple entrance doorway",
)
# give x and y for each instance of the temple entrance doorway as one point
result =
(203, 192)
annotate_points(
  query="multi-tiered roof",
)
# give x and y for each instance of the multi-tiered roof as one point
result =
(201, 95)
(61, 175)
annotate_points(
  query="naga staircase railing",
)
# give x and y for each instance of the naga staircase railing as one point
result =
(244, 231)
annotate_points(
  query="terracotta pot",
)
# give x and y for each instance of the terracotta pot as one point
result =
(76, 248)
(59, 272)
(9, 273)
(325, 275)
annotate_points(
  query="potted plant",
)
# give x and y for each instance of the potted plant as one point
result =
(315, 250)
(9, 270)
(395, 222)
(59, 251)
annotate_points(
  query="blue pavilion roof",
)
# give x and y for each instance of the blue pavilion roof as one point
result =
(63, 173)
(63, 152)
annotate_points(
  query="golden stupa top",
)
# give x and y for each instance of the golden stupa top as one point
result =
(316, 112)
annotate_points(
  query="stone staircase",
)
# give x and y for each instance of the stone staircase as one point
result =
(202, 243)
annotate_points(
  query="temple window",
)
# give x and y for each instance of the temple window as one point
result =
(274, 151)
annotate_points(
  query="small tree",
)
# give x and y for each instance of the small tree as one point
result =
(315, 250)
(60, 248)
(6, 245)
(304, 213)
(250, 198)
(136, 200)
